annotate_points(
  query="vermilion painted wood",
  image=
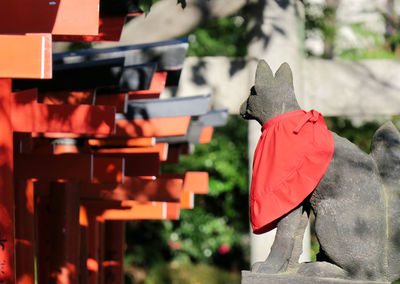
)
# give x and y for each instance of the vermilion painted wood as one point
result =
(142, 164)
(24, 231)
(52, 167)
(68, 167)
(73, 17)
(24, 56)
(110, 29)
(132, 142)
(66, 97)
(80, 119)
(7, 233)
(153, 127)
(23, 142)
(64, 229)
(108, 169)
(187, 200)
(59, 149)
(86, 167)
(84, 243)
(206, 134)
(41, 146)
(196, 182)
(160, 189)
(42, 238)
(173, 211)
(157, 85)
(137, 211)
(174, 152)
(160, 148)
(119, 101)
(113, 263)
(98, 207)
(95, 247)
(52, 135)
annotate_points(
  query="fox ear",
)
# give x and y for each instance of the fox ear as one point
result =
(264, 75)
(284, 74)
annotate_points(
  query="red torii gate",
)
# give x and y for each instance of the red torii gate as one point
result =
(77, 197)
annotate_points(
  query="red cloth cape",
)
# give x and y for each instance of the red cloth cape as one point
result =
(292, 155)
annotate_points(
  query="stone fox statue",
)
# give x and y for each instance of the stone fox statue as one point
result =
(356, 203)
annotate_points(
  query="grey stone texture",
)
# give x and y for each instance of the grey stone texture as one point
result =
(356, 203)
(333, 87)
(260, 278)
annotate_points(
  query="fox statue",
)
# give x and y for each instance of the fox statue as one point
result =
(356, 202)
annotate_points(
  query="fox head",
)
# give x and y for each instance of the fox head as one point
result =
(270, 96)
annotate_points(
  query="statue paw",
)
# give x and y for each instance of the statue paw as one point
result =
(265, 267)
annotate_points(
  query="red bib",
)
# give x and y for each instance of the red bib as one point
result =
(292, 155)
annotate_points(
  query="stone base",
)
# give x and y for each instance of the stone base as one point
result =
(249, 277)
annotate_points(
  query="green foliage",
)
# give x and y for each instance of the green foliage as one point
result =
(221, 217)
(145, 5)
(213, 231)
(325, 22)
(188, 273)
(363, 53)
(224, 36)
(377, 50)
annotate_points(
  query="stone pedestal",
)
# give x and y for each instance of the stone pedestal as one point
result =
(260, 278)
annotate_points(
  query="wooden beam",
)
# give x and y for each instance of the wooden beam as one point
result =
(173, 211)
(174, 152)
(214, 118)
(206, 134)
(66, 97)
(86, 75)
(138, 211)
(187, 200)
(118, 100)
(52, 167)
(157, 85)
(145, 109)
(196, 182)
(132, 142)
(73, 17)
(110, 29)
(86, 167)
(160, 148)
(80, 119)
(169, 55)
(133, 188)
(152, 127)
(133, 77)
(108, 169)
(24, 56)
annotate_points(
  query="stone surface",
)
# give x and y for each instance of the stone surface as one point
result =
(260, 278)
(333, 87)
